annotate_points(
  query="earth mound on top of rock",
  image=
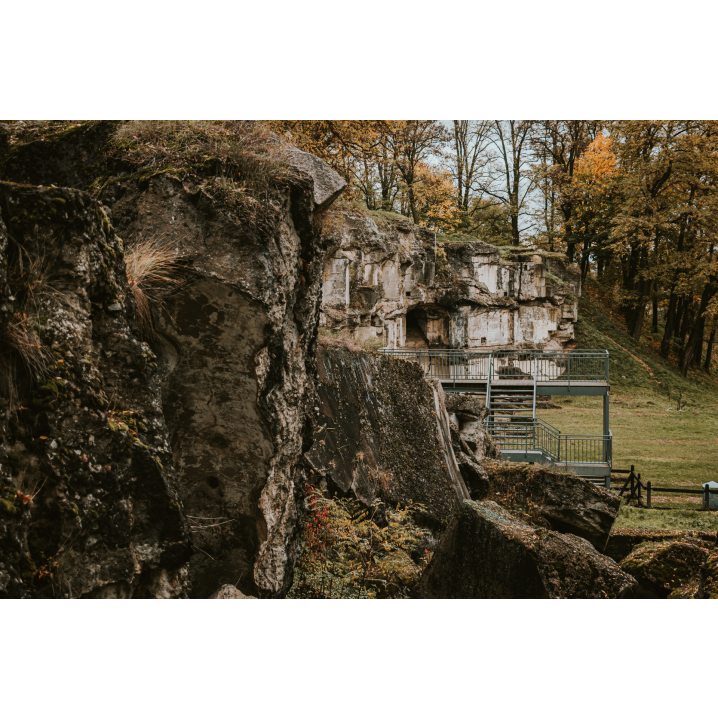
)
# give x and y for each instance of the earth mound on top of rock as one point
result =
(487, 552)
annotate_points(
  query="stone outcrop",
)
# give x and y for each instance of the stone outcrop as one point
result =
(489, 553)
(89, 502)
(237, 347)
(383, 432)
(390, 281)
(467, 413)
(568, 503)
(624, 540)
(669, 569)
(235, 344)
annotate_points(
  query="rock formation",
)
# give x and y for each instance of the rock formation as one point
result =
(89, 503)
(390, 281)
(669, 569)
(232, 384)
(568, 503)
(382, 432)
(488, 552)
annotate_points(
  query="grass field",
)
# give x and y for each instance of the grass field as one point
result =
(668, 447)
(671, 519)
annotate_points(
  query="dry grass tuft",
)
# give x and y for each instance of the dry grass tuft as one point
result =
(20, 349)
(151, 264)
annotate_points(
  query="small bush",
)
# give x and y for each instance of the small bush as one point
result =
(20, 350)
(349, 551)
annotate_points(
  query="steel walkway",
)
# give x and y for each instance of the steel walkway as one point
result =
(511, 381)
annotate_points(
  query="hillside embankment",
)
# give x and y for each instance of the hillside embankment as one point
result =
(664, 424)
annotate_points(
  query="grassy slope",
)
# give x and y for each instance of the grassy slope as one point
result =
(669, 448)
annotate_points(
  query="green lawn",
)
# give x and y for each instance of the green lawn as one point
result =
(669, 448)
(672, 519)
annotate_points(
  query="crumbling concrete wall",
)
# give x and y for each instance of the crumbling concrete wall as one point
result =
(390, 280)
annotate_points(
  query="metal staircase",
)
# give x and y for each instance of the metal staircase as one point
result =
(511, 380)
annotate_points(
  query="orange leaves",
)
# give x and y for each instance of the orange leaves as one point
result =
(598, 162)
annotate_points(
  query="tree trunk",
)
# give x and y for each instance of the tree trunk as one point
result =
(692, 347)
(639, 314)
(680, 311)
(698, 353)
(654, 318)
(709, 348)
(668, 330)
(686, 324)
(412, 205)
(514, 230)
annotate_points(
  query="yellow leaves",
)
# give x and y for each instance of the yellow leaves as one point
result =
(599, 162)
(435, 195)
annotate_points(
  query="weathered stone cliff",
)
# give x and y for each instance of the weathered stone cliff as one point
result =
(89, 503)
(235, 345)
(389, 279)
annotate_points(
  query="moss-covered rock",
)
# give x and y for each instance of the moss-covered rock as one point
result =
(74, 497)
(489, 553)
(380, 434)
(565, 502)
(662, 568)
(708, 584)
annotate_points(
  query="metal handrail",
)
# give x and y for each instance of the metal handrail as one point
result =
(559, 448)
(530, 365)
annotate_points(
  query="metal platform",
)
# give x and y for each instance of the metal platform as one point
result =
(510, 382)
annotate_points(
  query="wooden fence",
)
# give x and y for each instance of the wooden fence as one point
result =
(635, 488)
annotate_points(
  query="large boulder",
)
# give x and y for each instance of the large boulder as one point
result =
(327, 184)
(383, 432)
(488, 553)
(567, 502)
(625, 540)
(665, 568)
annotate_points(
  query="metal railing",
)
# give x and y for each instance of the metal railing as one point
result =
(536, 435)
(528, 365)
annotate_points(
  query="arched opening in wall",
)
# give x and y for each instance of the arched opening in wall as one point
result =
(415, 336)
(427, 326)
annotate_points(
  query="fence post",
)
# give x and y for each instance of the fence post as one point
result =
(648, 494)
(706, 497)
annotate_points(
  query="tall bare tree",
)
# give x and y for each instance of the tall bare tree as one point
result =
(470, 140)
(509, 179)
